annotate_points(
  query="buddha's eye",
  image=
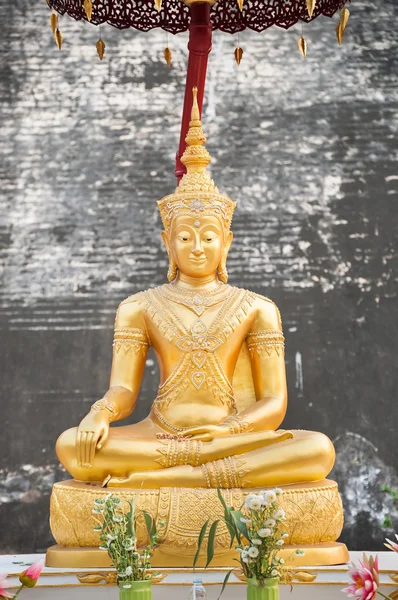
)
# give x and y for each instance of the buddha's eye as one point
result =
(184, 237)
(209, 237)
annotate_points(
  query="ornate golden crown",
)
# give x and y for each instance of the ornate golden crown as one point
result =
(196, 193)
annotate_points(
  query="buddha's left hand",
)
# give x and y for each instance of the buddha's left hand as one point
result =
(206, 433)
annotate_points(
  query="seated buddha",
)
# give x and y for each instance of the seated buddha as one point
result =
(222, 395)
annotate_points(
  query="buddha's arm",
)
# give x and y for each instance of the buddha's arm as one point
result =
(266, 347)
(130, 348)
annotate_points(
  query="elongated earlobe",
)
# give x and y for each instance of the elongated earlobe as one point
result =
(173, 269)
(222, 272)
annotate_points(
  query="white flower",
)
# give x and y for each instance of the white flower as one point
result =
(280, 542)
(129, 571)
(255, 503)
(109, 495)
(117, 519)
(252, 497)
(270, 523)
(244, 520)
(98, 528)
(274, 573)
(257, 542)
(103, 548)
(282, 561)
(269, 496)
(99, 502)
(126, 586)
(285, 535)
(97, 511)
(246, 559)
(278, 492)
(244, 555)
(253, 552)
(280, 514)
(265, 532)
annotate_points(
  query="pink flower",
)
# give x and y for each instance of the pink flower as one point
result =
(392, 545)
(365, 579)
(29, 577)
(3, 587)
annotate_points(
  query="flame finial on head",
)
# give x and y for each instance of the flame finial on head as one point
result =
(196, 193)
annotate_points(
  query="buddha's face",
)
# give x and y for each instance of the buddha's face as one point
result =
(197, 244)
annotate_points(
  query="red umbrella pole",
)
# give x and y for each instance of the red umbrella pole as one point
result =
(199, 46)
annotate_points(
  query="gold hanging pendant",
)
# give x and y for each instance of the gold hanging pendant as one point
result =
(340, 29)
(339, 33)
(54, 22)
(88, 8)
(344, 16)
(58, 38)
(158, 4)
(168, 55)
(100, 45)
(311, 7)
(238, 55)
(240, 4)
(302, 44)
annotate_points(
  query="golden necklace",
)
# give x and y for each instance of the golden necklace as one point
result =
(196, 301)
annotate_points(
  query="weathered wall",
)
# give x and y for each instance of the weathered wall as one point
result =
(309, 151)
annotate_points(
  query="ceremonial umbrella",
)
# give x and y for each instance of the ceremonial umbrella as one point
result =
(200, 18)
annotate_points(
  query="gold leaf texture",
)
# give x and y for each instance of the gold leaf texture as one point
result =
(158, 4)
(240, 4)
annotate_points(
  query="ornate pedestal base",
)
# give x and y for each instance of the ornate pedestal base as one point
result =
(314, 522)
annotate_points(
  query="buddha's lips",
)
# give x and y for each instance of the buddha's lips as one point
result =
(198, 260)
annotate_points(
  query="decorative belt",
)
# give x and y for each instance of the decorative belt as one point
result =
(166, 423)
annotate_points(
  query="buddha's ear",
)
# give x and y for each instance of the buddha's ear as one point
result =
(228, 241)
(165, 239)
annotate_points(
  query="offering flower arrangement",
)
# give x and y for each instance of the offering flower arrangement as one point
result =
(117, 526)
(258, 530)
(28, 579)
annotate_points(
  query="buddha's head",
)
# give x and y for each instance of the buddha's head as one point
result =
(197, 218)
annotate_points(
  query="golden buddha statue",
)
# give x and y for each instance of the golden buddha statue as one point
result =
(222, 393)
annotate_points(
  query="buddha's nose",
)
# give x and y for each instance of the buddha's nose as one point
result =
(197, 249)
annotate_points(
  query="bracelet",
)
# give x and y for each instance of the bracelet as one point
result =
(106, 405)
(235, 425)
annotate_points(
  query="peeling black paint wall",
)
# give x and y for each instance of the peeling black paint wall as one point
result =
(309, 151)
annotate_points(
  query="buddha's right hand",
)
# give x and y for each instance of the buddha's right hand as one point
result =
(92, 433)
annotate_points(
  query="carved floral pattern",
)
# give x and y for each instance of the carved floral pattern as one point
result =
(314, 513)
(174, 14)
